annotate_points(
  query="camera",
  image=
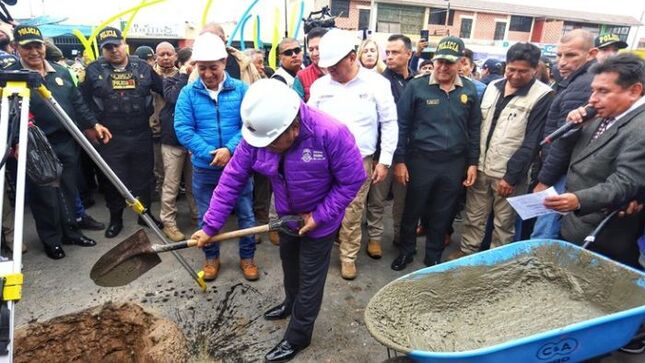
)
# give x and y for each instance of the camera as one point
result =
(324, 19)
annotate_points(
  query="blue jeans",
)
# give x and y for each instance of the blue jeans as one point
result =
(79, 207)
(204, 182)
(548, 225)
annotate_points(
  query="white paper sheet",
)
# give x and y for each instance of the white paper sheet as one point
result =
(532, 205)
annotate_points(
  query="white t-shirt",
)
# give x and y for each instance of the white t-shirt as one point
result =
(363, 104)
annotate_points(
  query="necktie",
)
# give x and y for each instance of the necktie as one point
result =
(602, 127)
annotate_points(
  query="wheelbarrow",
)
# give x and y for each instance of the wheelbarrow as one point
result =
(570, 342)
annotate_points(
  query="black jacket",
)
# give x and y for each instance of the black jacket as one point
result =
(171, 88)
(572, 92)
(443, 125)
(60, 84)
(121, 109)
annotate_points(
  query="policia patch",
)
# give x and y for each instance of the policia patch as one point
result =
(123, 80)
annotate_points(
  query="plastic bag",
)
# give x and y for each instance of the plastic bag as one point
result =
(43, 166)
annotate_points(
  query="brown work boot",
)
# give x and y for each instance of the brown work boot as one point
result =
(374, 249)
(455, 255)
(249, 269)
(211, 269)
(173, 233)
(274, 237)
(348, 270)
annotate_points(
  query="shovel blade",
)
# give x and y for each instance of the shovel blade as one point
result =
(125, 262)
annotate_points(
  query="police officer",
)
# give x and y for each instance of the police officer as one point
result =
(53, 206)
(117, 87)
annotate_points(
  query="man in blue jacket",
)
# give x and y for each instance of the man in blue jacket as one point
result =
(208, 123)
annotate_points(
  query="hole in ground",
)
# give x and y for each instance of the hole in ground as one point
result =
(106, 333)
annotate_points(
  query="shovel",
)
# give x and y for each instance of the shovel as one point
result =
(136, 255)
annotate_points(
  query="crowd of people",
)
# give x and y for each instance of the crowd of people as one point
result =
(333, 137)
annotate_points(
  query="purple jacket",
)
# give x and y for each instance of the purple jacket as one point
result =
(322, 173)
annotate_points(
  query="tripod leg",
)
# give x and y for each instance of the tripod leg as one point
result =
(134, 203)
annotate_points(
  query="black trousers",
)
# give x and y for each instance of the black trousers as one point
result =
(305, 262)
(131, 157)
(433, 191)
(53, 207)
(261, 197)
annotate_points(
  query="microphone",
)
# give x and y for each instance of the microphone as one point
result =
(568, 126)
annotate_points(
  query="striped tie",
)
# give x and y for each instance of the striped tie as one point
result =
(602, 127)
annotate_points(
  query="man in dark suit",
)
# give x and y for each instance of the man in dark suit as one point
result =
(607, 164)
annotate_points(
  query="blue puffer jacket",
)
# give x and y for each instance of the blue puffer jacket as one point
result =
(203, 125)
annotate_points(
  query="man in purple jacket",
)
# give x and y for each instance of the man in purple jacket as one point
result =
(316, 170)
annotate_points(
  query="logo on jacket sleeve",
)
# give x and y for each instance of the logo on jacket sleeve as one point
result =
(309, 155)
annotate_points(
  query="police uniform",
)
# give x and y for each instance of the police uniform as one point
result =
(122, 101)
(53, 205)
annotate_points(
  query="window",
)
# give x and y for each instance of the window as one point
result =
(438, 16)
(466, 28)
(521, 23)
(385, 27)
(590, 27)
(408, 18)
(363, 18)
(500, 30)
(340, 8)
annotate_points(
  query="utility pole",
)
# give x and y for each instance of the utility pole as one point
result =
(286, 23)
(447, 18)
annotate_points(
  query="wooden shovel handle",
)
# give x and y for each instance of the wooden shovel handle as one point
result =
(216, 238)
(237, 234)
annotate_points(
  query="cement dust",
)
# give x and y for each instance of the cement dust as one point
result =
(475, 307)
(108, 333)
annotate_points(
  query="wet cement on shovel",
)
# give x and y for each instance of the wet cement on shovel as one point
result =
(108, 333)
(475, 307)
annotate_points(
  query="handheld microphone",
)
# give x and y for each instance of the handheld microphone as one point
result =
(568, 126)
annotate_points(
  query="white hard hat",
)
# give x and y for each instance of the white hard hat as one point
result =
(268, 109)
(208, 47)
(333, 47)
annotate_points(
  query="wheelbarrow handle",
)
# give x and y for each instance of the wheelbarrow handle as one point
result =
(274, 225)
(591, 238)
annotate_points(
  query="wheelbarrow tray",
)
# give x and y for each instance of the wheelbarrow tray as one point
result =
(570, 343)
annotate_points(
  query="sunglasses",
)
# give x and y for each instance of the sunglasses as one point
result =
(290, 52)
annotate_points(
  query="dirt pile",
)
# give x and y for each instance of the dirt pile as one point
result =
(107, 333)
(480, 306)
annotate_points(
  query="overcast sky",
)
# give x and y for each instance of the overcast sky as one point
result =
(178, 11)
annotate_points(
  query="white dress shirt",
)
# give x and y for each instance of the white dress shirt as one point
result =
(363, 104)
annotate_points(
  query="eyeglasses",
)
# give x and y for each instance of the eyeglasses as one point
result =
(290, 52)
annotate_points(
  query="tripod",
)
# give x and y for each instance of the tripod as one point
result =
(18, 85)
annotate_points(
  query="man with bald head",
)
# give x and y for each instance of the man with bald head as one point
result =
(238, 65)
(575, 55)
(163, 63)
(170, 156)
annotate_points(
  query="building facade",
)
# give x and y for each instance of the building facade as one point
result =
(485, 26)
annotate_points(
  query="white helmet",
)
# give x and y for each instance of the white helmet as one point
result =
(268, 109)
(208, 47)
(333, 47)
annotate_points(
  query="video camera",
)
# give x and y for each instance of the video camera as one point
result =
(323, 19)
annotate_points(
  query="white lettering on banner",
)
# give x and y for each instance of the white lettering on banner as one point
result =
(156, 31)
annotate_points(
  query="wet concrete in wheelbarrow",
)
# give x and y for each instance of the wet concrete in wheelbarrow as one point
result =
(480, 306)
